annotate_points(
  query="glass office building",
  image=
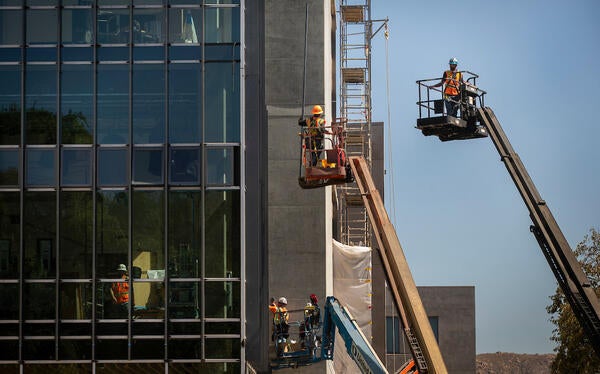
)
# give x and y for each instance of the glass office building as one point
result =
(120, 138)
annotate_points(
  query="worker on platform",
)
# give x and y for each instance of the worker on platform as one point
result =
(119, 292)
(315, 133)
(312, 319)
(451, 79)
(280, 319)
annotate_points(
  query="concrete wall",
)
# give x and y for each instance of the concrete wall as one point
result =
(299, 221)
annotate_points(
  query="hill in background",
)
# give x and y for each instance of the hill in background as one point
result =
(514, 363)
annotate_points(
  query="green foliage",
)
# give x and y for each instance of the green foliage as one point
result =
(574, 354)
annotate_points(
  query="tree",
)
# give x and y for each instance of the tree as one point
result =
(574, 354)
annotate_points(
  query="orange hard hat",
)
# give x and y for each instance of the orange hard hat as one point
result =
(317, 109)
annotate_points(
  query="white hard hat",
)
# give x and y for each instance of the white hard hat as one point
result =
(282, 300)
(122, 267)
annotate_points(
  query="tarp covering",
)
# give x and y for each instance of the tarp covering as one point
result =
(352, 287)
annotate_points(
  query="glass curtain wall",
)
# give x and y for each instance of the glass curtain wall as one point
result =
(120, 200)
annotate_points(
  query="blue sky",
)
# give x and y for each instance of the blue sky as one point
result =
(458, 214)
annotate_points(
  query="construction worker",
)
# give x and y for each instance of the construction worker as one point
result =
(315, 133)
(451, 79)
(119, 292)
(280, 319)
(312, 318)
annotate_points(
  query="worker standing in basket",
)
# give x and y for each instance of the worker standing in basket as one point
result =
(451, 79)
(315, 133)
(280, 319)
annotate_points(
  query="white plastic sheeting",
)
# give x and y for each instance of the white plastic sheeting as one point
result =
(352, 287)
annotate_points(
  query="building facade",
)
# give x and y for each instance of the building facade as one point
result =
(121, 149)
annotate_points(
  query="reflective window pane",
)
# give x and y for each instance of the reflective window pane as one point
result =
(40, 104)
(39, 301)
(148, 232)
(77, 26)
(222, 96)
(77, 54)
(148, 104)
(184, 166)
(39, 233)
(9, 310)
(112, 167)
(222, 328)
(76, 167)
(222, 299)
(75, 301)
(185, 228)
(185, 52)
(76, 217)
(148, 53)
(148, 25)
(12, 24)
(149, 299)
(112, 228)
(42, 2)
(221, 167)
(9, 167)
(148, 166)
(113, 104)
(9, 235)
(41, 54)
(38, 350)
(10, 55)
(185, 25)
(222, 25)
(41, 26)
(184, 300)
(148, 349)
(10, 105)
(222, 241)
(113, 25)
(76, 104)
(113, 53)
(111, 349)
(40, 169)
(185, 103)
(77, 2)
(222, 348)
(185, 348)
(221, 1)
(75, 350)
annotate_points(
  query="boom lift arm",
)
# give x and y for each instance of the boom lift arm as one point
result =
(556, 249)
(356, 344)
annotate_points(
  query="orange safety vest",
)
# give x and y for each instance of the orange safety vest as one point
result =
(279, 314)
(121, 291)
(452, 80)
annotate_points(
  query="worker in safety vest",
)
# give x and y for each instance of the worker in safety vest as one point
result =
(452, 80)
(312, 318)
(315, 133)
(119, 292)
(280, 319)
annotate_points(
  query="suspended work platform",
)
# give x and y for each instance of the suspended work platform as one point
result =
(434, 118)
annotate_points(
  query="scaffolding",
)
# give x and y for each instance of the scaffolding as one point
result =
(355, 107)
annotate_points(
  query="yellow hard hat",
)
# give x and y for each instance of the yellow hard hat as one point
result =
(317, 109)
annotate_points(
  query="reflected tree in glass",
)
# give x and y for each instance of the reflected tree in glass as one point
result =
(10, 105)
(40, 104)
(76, 104)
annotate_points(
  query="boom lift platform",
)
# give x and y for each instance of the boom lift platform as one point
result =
(334, 316)
(327, 166)
(433, 118)
(563, 263)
